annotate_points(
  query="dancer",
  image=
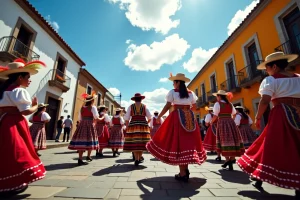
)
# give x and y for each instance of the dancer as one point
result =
(137, 129)
(102, 130)
(210, 140)
(21, 165)
(116, 140)
(243, 121)
(229, 140)
(154, 125)
(37, 129)
(85, 136)
(275, 156)
(177, 141)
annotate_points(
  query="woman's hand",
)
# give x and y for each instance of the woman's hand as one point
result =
(257, 123)
(34, 101)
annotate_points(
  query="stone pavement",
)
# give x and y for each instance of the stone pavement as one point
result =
(118, 178)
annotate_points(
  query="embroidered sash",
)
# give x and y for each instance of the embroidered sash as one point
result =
(187, 119)
(292, 115)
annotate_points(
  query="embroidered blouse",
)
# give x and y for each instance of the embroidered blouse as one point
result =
(128, 113)
(174, 98)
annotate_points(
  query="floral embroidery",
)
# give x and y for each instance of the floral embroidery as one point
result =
(187, 119)
(292, 116)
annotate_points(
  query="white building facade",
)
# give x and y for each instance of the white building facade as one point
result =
(25, 34)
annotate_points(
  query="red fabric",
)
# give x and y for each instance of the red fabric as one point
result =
(210, 139)
(20, 163)
(243, 120)
(173, 145)
(37, 118)
(103, 133)
(275, 156)
(278, 75)
(86, 112)
(12, 87)
(116, 121)
(155, 122)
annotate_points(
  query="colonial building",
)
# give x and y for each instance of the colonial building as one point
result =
(24, 33)
(273, 25)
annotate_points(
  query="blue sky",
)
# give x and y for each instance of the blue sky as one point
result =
(129, 45)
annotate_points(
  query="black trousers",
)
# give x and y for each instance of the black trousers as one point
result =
(67, 131)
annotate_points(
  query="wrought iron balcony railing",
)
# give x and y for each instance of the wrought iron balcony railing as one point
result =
(210, 96)
(292, 46)
(201, 102)
(60, 80)
(12, 48)
(250, 75)
(231, 84)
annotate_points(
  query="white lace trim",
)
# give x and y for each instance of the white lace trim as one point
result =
(175, 152)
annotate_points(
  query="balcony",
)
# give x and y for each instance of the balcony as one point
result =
(210, 97)
(11, 48)
(231, 85)
(291, 46)
(201, 102)
(250, 75)
(60, 80)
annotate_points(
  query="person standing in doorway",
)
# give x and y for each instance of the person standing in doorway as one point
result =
(68, 123)
(59, 127)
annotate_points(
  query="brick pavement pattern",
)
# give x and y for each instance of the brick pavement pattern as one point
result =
(117, 178)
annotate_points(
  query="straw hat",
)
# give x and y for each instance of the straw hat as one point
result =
(119, 109)
(240, 107)
(19, 66)
(276, 56)
(179, 77)
(220, 92)
(42, 105)
(89, 97)
(137, 95)
(102, 106)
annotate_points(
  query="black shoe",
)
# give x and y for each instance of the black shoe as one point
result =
(234, 161)
(38, 154)
(141, 161)
(187, 173)
(56, 141)
(118, 153)
(230, 166)
(184, 178)
(13, 192)
(142, 158)
(136, 163)
(133, 158)
(80, 162)
(63, 141)
(97, 154)
(218, 158)
(100, 154)
(258, 185)
(297, 194)
(114, 154)
(226, 164)
(89, 159)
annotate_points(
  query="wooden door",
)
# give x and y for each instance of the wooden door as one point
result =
(52, 110)
(231, 77)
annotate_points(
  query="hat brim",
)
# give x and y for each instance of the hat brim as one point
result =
(216, 94)
(240, 107)
(6, 73)
(133, 98)
(289, 58)
(176, 78)
(45, 105)
(95, 96)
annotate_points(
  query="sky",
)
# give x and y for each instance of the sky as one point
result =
(132, 46)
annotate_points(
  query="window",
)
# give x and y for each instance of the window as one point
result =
(203, 92)
(292, 26)
(196, 92)
(231, 84)
(213, 84)
(60, 66)
(89, 89)
(99, 99)
(112, 109)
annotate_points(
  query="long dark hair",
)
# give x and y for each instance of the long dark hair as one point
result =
(183, 92)
(156, 114)
(11, 79)
(38, 111)
(118, 112)
(138, 99)
(241, 110)
(223, 97)
(89, 103)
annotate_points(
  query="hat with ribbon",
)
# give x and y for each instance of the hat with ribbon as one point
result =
(89, 97)
(42, 105)
(137, 95)
(277, 56)
(19, 66)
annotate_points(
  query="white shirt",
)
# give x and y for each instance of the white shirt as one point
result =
(280, 87)
(208, 118)
(94, 111)
(174, 98)
(238, 118)
(216, 109)
(106, 117)
(121, 120)
(155, 117)
(128, 117)
(18, 97)
(44, 117)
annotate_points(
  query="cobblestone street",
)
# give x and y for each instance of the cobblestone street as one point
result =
(118, 178)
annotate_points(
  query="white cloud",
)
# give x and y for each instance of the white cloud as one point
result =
(151, 14)
(54, 24)
(165, 79)
(114, 91)
(199, 58)
(239, 16)
(155, 100)
(125, 104)
(151, 58)
(128, 41)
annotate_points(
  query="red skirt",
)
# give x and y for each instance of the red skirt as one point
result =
(21, 165)
(38, 135)
(178, 142)
(116, 139)
(103, 135)
(210, 139)
(247, 135)
(275, 156)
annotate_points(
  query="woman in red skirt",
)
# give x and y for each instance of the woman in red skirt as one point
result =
(275, 156)
(85, 136)
(21, 165)
(243, 122)
(177, 141)
(210, 140)
(37, 129)
(154, 125)
(229, 140)
(102, 130)
(116, 140)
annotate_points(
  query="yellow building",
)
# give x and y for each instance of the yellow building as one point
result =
(273, 25)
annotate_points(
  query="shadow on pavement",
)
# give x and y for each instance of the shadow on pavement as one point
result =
(213, 161)
(264, 195)
(60, 166)
(66, 152)
(233, 176)
(118, 169)
(185, 190)
(19, 196)
(124, 161)
(154, 159)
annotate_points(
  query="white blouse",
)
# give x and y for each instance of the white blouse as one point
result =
(94, 111)
(127, 116)
(208, 118)
(173, 97)
(121, 120)
(18, 97)
(44, 117)
(280, 87)
(151, 122)
(216, 109)
(238, 118)
(106, 117)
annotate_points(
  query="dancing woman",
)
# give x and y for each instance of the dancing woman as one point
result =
(102, 129)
